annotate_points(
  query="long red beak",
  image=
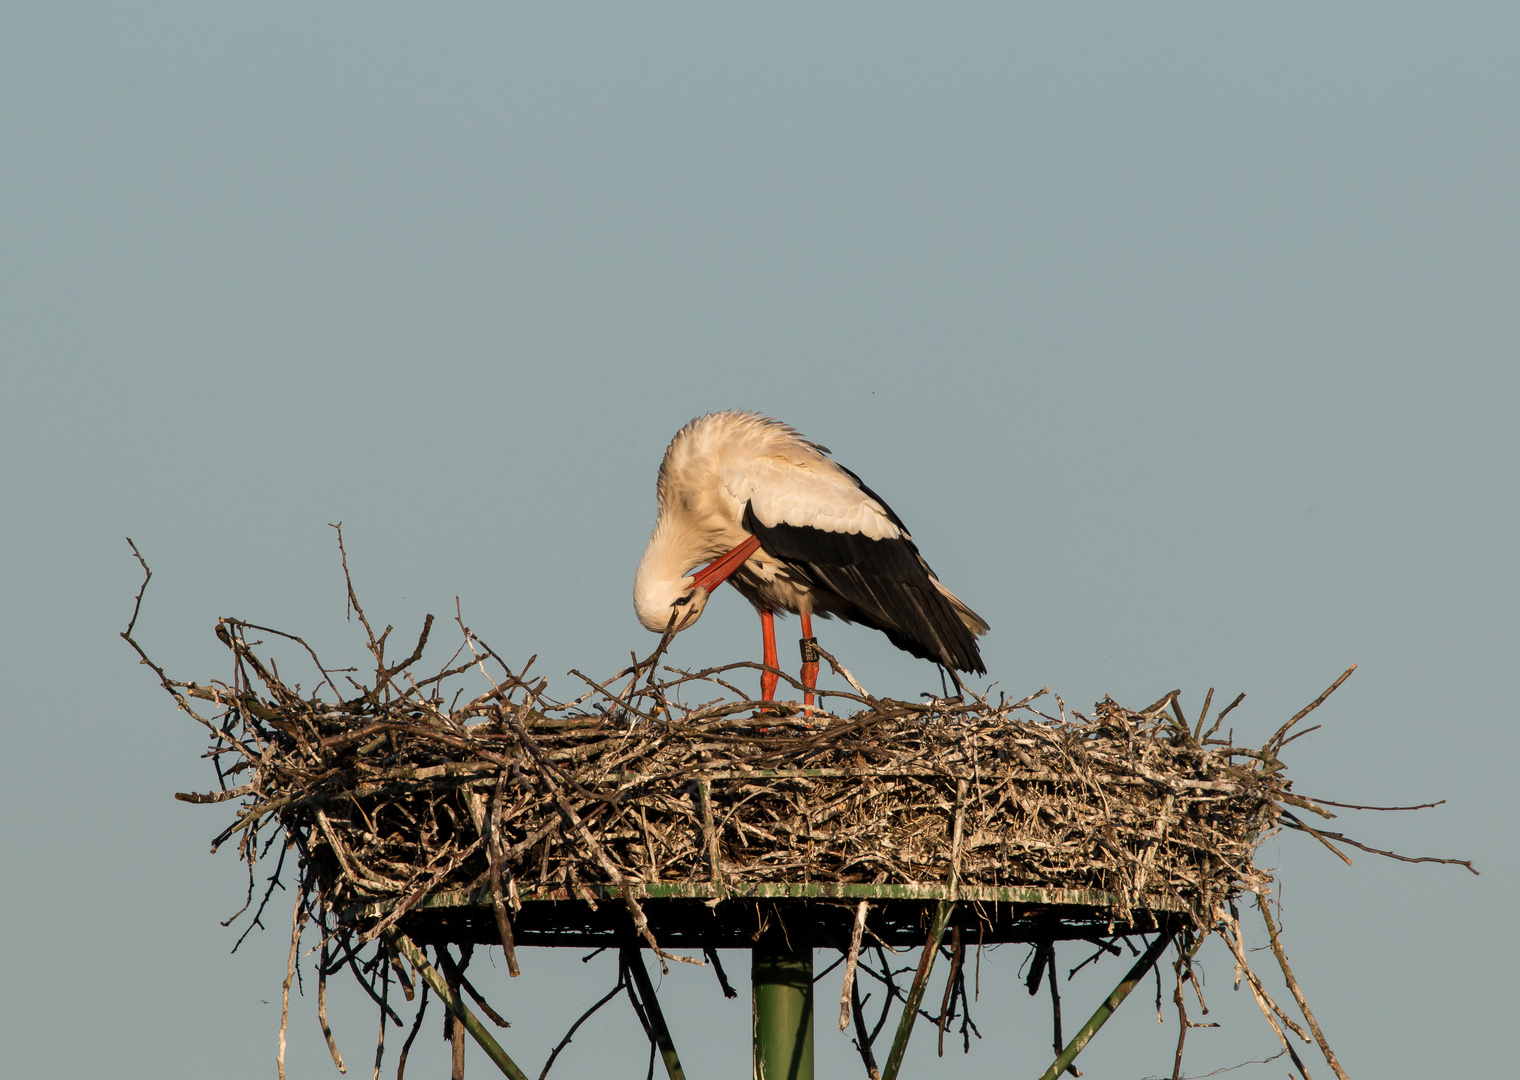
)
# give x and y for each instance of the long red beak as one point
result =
(717, 572)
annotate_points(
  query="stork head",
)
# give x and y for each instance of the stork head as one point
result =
(658, 601)
(662, 588)
(667, 598)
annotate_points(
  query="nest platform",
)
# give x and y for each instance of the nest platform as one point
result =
(696, 917)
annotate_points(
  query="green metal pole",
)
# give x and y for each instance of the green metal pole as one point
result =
(408, 948)
(936, 933)
(1110, 1003)
(782, 975)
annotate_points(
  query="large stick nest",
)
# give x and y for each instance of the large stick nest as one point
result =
(395, 789)
(392, 791)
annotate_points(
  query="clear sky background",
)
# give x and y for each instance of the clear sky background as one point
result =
(1184, 337)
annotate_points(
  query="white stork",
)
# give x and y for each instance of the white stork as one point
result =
(794, 531)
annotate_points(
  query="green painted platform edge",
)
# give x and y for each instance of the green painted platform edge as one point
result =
(1004, 894)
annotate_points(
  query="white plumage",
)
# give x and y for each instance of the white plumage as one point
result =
(801, 533)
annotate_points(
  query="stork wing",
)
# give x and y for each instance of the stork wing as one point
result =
(841, 537)
(884, 584)
(811, 492)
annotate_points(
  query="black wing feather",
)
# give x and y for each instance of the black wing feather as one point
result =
(883, 584)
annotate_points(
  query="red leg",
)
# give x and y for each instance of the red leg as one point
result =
(767, 679)
(809, 662)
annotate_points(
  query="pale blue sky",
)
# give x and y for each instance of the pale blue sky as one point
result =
(1184, 338)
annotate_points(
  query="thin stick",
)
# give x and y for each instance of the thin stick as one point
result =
(863, 1041)
(297, 921)
(1355, 806)
(1264, 1002)
(1264, 906)
(332, 1044)
(608, 996)
(498, 902)
(714, 859)
(406, 1047)
(1053, 980)
(385, 993)
(1219, 719)
(1203, 714)
(163, 678)
(485, 1006)
(957, 957)
(1298, 823)
(1181, 1002)
(1276, 739)
(717, 965)
(841, 670)
(853, 958)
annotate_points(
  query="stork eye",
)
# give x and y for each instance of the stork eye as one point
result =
(683, 601)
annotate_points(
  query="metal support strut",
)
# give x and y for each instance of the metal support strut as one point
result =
(936, 934)
(408, 948)
(1085, 1033)
(654, 1019)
